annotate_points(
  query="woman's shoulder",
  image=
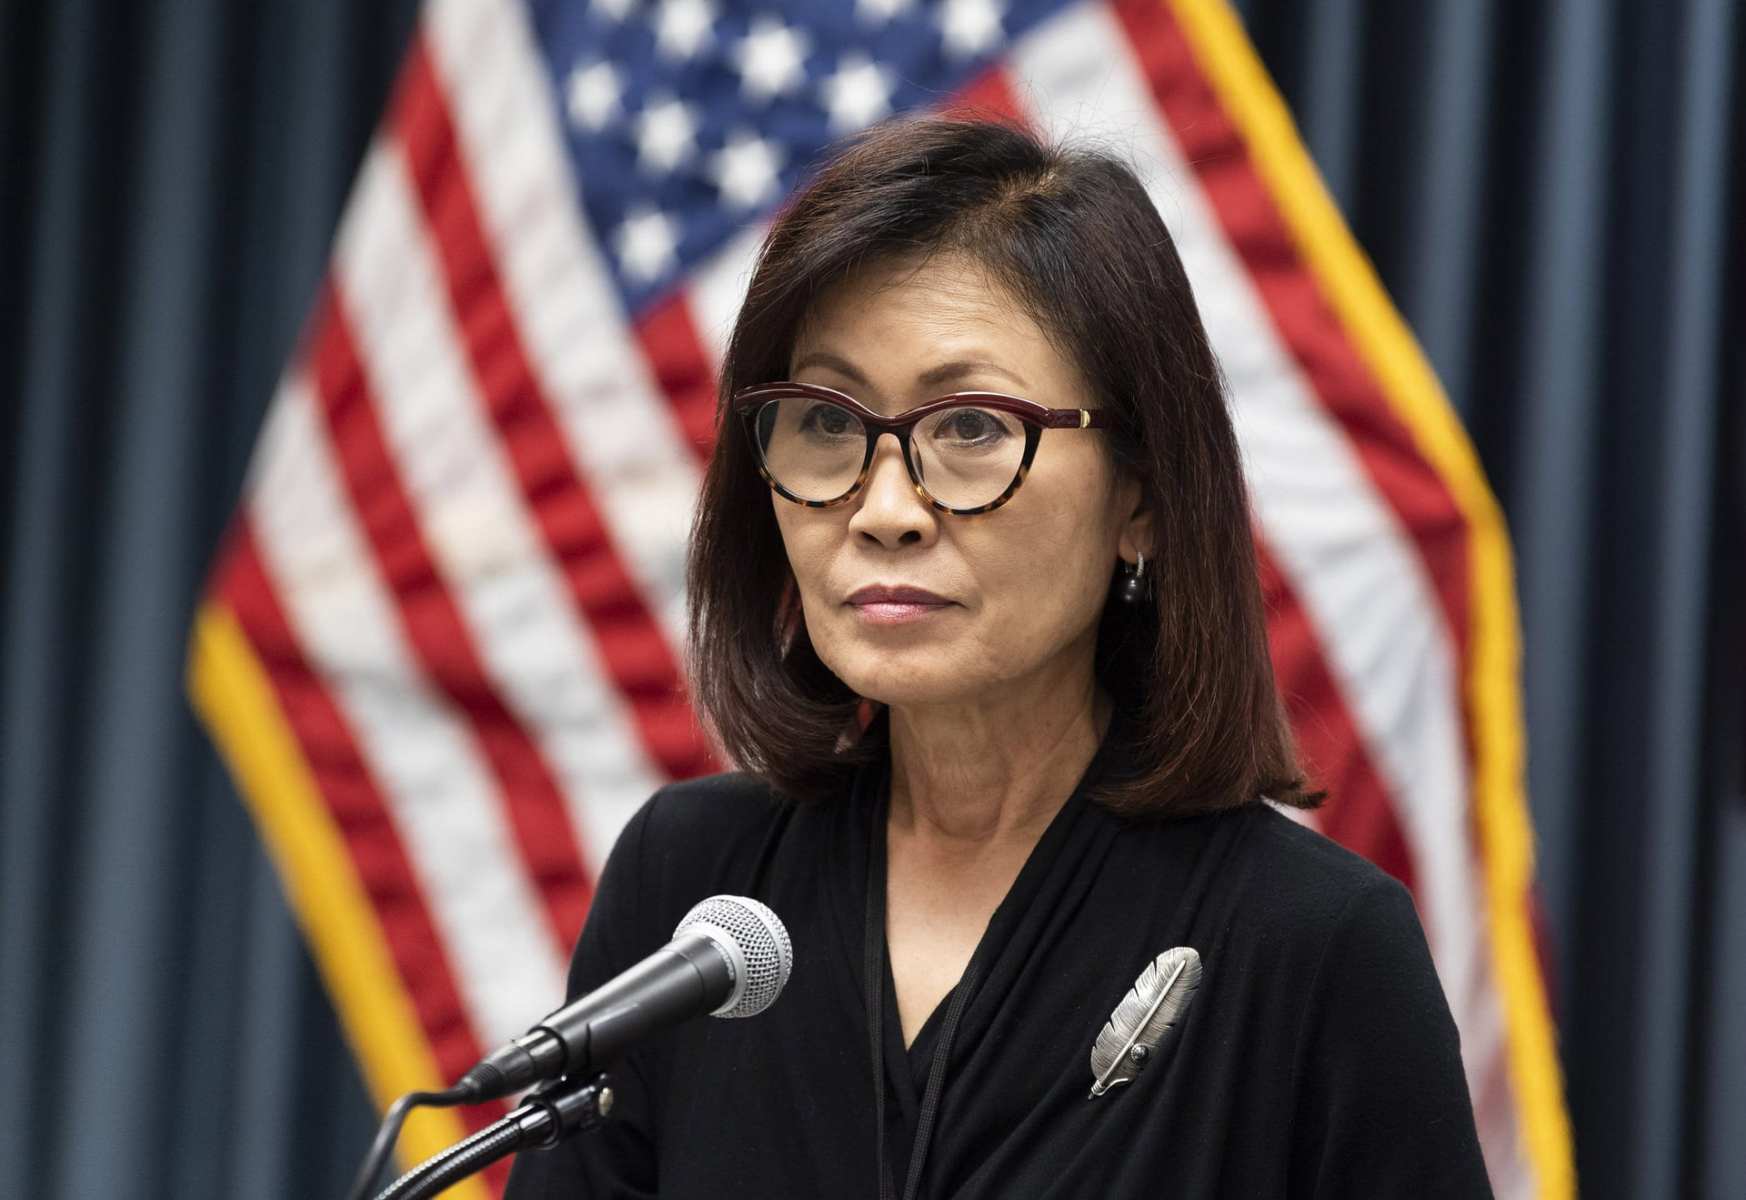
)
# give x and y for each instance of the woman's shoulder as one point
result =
(1300, 883)
(700, 833)
(1297, 851)
(692, 838)
(1349, 924)
(707, 815)
(713, 803)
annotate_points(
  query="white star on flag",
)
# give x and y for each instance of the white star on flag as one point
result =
(771, 58)
(648, 244)
(747, 169)
(857, 94)
(593, 93)
(613, 10)
(970, 27)
(665, 133)
(682, 27)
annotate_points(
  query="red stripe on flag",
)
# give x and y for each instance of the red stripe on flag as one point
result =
(356, 805)
(435, 627)
(635, 651)
(1215, 149)
(1362, 819)
(990, 94)
(667, 333)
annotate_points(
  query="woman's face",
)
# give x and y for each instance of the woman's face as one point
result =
(1024, 584)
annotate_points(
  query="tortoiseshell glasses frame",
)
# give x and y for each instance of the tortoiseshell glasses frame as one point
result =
(749, 401)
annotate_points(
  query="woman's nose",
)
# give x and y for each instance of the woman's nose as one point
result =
(890, 509)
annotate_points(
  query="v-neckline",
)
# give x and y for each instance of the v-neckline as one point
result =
(920, 1051)
(918, 1085)
(1035, 862)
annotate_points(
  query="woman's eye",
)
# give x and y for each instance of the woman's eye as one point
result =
(827, 419)
(972, 425)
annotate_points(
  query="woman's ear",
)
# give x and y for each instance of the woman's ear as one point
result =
(1138, 535)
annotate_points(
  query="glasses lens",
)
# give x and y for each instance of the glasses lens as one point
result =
(812, 447)
(967, 456)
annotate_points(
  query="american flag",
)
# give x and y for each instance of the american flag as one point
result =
(439, 647)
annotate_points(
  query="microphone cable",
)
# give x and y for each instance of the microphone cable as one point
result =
(389, 1132)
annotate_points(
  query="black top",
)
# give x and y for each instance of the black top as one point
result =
(1317, 1058)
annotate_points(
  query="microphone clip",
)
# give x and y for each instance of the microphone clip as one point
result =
(569, 1106)
(546, 1117)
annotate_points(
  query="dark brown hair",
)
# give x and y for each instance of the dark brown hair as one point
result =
(1072, 235)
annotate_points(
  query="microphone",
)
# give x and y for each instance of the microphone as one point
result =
(730, 957)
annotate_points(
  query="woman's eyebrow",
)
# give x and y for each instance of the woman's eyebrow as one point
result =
(932, 377)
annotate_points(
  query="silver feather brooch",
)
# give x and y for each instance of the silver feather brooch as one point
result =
(1135, 1030)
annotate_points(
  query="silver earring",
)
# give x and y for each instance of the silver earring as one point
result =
(1133, 581)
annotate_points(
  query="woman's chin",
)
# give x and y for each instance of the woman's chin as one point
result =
(909, 689)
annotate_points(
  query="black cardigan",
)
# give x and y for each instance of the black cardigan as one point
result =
(1318, 1057)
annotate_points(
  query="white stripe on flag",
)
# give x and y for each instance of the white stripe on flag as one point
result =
(1354, 569)
(535, 650)
(718, 289)
(581, 349)
(439, 793)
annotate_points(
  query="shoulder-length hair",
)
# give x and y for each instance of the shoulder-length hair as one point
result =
(1072, 235)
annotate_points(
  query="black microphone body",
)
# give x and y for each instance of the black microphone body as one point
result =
(730, 957)
(689, 976)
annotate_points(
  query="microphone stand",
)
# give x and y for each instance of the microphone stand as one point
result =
(547, 1116)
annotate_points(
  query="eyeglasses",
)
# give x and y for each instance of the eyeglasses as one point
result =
(966, 453)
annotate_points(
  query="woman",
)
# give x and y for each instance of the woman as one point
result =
(998, 675)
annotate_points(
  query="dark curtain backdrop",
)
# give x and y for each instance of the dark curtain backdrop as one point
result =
(1548, 190)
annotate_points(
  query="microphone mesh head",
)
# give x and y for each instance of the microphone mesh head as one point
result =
(763, 943)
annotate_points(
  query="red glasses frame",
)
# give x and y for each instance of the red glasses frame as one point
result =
(1036, 417)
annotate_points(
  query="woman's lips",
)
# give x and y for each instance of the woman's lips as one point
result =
(896, 612)
(895, 605)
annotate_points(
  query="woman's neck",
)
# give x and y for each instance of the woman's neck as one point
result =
(967, 778)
